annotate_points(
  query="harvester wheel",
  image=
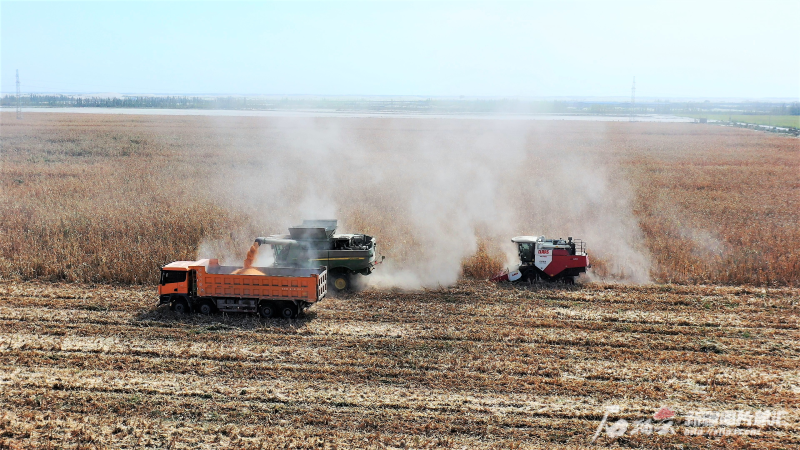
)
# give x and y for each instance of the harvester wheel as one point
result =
(266, 309)
(180, 306)
(287, 310)
(206, 308)
(340, 281)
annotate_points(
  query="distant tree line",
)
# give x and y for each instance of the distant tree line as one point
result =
(755, 108)
(429, 105)
(171, 102)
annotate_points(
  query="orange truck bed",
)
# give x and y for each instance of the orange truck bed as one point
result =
(205, 286)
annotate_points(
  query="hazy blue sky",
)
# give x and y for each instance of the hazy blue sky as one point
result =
(540, 48)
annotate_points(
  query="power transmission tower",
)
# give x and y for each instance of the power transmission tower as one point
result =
(633, 98)
(19, 104)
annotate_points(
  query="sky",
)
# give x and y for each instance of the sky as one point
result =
(577, 49)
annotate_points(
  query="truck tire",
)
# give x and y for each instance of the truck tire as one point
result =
(181, 306)
(206, 308)
(267, 310)
(287, 310)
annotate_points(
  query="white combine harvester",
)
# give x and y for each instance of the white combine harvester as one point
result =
(548, 259)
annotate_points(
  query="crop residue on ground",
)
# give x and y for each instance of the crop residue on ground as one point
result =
(475, 365)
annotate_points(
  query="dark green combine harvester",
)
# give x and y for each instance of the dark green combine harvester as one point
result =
(314, 244)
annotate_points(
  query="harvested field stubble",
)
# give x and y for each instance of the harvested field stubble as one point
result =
(110, 198)
(476, 366)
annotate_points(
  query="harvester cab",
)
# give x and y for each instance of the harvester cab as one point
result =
(548, 260)
(315, 243)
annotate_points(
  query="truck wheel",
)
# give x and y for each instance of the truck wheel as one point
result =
(287, 310)
(180, 306)
(266, 309)
(206, 308)
(340, 281)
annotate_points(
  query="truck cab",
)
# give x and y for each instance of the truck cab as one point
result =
(175, 281)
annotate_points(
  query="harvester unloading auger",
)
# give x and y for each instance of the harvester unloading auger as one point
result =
(547, 260)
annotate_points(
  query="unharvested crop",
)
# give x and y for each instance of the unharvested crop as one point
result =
(111, 198)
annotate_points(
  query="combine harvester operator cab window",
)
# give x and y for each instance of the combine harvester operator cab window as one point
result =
(280, 254)
(526, 251)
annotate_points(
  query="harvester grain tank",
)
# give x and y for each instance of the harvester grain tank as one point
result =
(314, 244)
(206, 287)
(548, 260)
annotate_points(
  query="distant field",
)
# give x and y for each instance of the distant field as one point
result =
(779, 121)
(104, 198)
(473, 366)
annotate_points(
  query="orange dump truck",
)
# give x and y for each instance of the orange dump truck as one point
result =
(206, 287)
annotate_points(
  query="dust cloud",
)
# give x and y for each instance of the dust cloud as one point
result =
(430, 189)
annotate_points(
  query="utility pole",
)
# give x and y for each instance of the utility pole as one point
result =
(633, 98)
(19, 105)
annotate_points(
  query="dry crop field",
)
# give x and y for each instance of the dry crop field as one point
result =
(472, 366)
(91, 206)
(99, 198)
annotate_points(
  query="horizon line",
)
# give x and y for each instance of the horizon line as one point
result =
(421, 96)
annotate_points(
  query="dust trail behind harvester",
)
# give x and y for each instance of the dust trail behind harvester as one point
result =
(431, 189)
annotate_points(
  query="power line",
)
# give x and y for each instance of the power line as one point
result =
(19, 104)
(633, 99)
